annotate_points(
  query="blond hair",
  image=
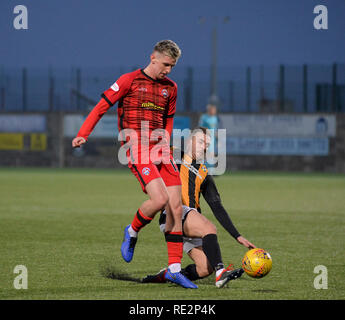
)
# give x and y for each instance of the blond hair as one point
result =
(169, 48)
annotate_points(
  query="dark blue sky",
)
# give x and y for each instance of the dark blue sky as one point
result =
(111, 32)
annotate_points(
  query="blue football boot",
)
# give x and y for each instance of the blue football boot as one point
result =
(128, 245)
(179, 279)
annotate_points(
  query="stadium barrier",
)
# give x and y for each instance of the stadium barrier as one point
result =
(270, 142)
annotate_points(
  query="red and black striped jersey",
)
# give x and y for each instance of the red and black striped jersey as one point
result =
(140, 98)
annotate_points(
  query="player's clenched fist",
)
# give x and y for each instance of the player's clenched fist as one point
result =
(77, 142)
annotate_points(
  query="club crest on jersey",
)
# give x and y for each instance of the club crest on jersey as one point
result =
(165, 93)
(146, 171)
(115, 87)
(143, 89)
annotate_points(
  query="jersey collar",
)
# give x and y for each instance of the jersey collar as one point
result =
(187, 159)
(147, 76)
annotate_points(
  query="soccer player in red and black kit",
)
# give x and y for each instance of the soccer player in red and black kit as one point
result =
(147, 103)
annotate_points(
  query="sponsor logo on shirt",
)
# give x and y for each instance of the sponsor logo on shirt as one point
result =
(151, 106)
(143, 89)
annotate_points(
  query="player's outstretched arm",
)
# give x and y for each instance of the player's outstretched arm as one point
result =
(109, 98)
(212, 197)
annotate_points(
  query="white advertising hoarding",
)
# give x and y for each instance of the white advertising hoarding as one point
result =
(105, 128)
(300, 135)
(277, 146)
(279, 125)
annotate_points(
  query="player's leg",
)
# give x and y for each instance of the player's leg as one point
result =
(174, 211)
(158, 198)
(153, 185)
(193, 247)
(173, 228)
(159, 277)
(201, 267)
(198, 226)
(174, 238)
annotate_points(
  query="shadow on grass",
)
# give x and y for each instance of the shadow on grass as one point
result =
(265, 291)
(112, 272)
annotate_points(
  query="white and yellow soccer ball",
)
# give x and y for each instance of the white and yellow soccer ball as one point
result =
(257, 263)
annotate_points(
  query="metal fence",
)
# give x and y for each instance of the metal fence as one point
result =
(283, 88)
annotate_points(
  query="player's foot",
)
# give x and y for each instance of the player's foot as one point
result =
(156, 278)
(128, 245)
(228, 274)
(179, 279)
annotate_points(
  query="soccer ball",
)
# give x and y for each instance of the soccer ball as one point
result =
(257, 263)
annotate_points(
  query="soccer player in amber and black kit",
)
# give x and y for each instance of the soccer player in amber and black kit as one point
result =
(200, 235)
(146, 104)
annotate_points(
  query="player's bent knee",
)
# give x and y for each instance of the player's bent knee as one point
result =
(212, 228)
(209, 228)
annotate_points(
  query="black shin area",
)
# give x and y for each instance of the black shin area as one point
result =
(190, 272)
(211, 249)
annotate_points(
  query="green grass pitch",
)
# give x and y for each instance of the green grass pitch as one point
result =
(66, 227)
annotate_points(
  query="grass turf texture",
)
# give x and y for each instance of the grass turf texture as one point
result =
(66, 227)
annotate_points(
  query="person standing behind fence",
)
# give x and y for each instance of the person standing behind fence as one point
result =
(210, 120)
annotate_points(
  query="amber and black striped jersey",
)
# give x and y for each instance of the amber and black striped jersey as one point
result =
(195, 181)
(193, 175)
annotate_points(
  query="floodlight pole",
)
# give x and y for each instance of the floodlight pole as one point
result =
(214, 97)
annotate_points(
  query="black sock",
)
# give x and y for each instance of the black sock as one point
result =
(211, 249)
(190, 272)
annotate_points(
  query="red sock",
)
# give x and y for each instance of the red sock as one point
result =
(174, 242)
(140, 221)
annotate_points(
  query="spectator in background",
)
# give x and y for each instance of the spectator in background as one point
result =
(210, 120)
